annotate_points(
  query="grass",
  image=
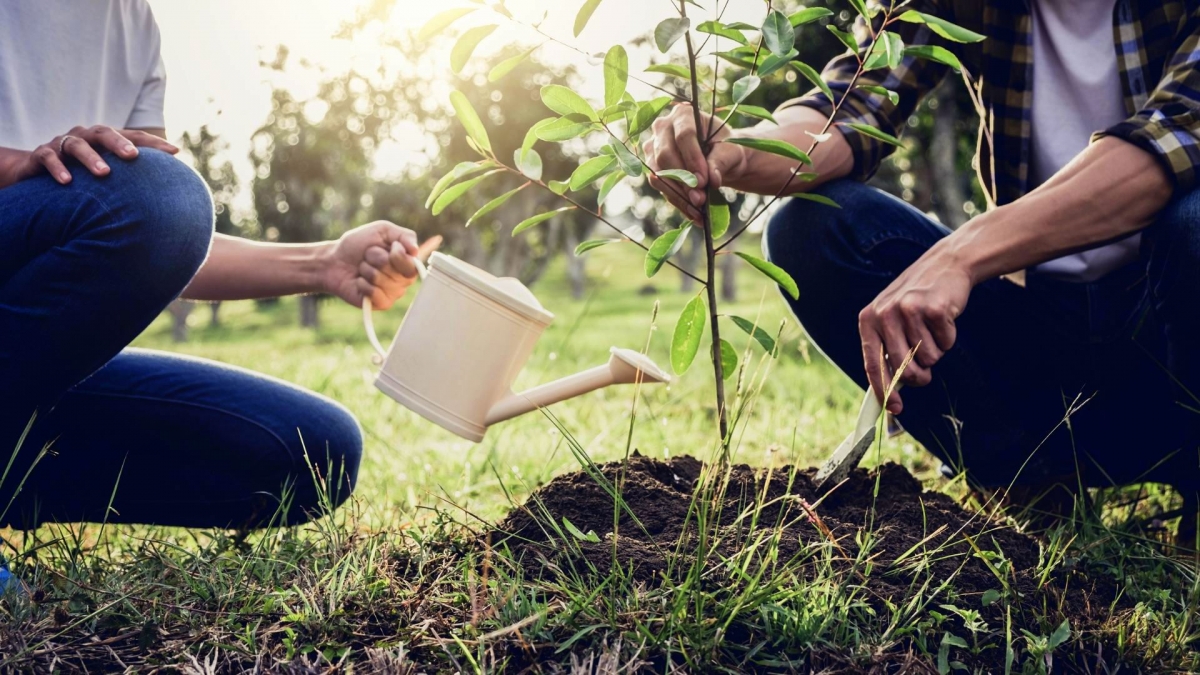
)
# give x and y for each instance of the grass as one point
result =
(397, 581)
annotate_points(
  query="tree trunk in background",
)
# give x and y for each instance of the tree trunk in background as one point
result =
(949, 193)
(180, 309)
(687, 259)
(576, 265)
(215, 309)
(470, 247)
(728, 266)
(309, 304)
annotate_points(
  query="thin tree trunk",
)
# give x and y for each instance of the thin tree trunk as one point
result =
(215, 318)
(949, 193)
(687, 259)
(576, 265)
(309, 316)
(180, 309)
(728, 278)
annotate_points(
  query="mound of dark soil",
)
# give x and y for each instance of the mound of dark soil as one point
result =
(916, 537)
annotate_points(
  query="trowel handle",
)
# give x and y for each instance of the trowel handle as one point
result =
(870, 411)
(369, 322)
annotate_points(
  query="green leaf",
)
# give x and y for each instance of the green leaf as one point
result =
(685, 342)
(820, 199)
(630, 164)
(459, 172)
(729, 359)
(989, 597)
(590, 171)
(454, 192)
(775, 147)
(846, 38)
(669, 31)
(442, 21)
(664, 247)
(683, 176)
(461, 53)
(753, 111)
(813, 76)
(563, 101)
(886, 93)
(529, 162)
(773, 272)
(718, 28)
(718, 219)
(886, 52)
(808, 15)
(778, 33)
(613, 113)
(763, 338)
(741, 25)
(470, 120)
(532, 137)
(591, 536)
(565, 128)
(530, 222)
(594, 243)
(646, 114)
(613, 180)
(950, 31)
(774, 62)
(861, 8)
(1060, 634)
(934, 53)
(508, 65)
(585, 15)
(671, 69)
(558, 187)
(873, 132)
(744, 87)
(494, 204)
(616, 75)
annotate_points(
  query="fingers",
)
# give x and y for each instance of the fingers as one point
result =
(379, 299)
(427, 247)
(400, 261)
(47, 157)
(877, 374)
(662, 153)
(687, 141)
(77, 147)
(111, 139)
(145, 140)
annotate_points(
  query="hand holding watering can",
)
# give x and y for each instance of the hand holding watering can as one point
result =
(464, 340)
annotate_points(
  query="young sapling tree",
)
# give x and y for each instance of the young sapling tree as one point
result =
(621, 120)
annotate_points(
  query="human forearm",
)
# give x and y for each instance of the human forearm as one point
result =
(767, 174)
(1112, 189)
(240, 269)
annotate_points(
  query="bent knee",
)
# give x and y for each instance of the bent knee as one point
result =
(330, 447)
(161, 213)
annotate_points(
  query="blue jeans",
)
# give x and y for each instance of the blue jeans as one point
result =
(168, 440)
(1119, 357)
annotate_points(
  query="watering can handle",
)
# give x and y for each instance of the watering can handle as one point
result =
(369, 322)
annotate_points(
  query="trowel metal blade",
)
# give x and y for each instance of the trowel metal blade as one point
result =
(844, 460)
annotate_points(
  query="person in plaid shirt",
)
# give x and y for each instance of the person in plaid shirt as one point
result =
(1056, 336)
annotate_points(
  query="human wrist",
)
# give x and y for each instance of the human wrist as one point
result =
(317, 267)
(11, 162)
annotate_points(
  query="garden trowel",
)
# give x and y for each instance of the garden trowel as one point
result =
(851, 451)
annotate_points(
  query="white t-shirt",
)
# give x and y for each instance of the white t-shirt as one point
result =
(1076, 91)
(65, 63)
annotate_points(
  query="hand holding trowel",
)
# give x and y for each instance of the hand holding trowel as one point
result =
(847, 456)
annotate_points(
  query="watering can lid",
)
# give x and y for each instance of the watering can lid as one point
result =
(506, 291)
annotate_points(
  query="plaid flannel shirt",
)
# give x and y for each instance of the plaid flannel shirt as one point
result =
(1158, 55)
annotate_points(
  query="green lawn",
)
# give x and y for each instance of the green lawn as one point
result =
(402, 575)
(806, 408)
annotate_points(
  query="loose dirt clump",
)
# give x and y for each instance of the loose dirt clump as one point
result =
(916, 539)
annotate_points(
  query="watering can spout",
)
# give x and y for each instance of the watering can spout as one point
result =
(625, 366)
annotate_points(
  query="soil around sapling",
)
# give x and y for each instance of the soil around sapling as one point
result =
(918, 539)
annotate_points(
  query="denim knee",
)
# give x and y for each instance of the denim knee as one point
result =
(159, 217)
(1173, 242)
(330, 443)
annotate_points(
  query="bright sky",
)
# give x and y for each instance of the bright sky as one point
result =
(212, 49)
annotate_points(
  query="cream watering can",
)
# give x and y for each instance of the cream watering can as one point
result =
(464, 340)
